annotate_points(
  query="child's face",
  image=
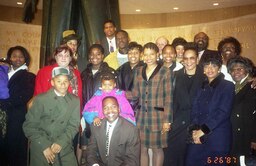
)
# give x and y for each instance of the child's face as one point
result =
(108, 85)
(60, 84)
(169, 55)
(134, 56)
(96, 56)
(150, 56)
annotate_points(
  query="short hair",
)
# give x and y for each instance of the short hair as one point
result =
(98, 46)
(245, 62)
(108, 75)
(212, 59)
(122, 31)
(232, 40)
(59, 49)
(207, 37)
(179, 41)
(191, 46)
(152, 46)
(169, 45)
(134, 45)
(110, 97)
(109, 21)
(24, 52)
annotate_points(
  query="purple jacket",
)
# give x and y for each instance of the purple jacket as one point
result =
(4, 91)
(93, 108)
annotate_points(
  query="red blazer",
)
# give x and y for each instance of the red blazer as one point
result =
(43, 81)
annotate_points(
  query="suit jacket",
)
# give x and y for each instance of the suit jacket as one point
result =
(206, 54)
(105, 45)
(124, 146)
(52, 119)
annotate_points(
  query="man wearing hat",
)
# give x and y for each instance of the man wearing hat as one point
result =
(52, 122)
(72, 40)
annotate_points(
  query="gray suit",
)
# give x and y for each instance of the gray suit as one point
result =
(124, 146)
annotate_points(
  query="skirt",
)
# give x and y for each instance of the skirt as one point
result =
(153, 139)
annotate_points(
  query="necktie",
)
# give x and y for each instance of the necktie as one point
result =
(107, 141)
(111, 49)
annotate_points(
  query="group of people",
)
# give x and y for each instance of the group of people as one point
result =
(184, 103)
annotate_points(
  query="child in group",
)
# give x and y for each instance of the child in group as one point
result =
(52, 122)
(4, 93)
(152, 86)
(92, 112)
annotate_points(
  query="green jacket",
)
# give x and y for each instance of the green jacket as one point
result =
(52, 119)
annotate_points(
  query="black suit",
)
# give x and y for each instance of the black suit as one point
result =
(124, 145)
(105, 45)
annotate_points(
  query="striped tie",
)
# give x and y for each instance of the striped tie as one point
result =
(107, 141)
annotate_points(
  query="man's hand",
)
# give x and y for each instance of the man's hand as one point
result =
(56, 148)
(97, 121)
(196, 134)
(49, 155)
(166, 127)
(253, 85)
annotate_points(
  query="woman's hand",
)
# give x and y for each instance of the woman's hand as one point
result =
(196, 134)
(96, 121)
(166, 127)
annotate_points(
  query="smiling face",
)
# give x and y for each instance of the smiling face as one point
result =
(190, 61)
(134, 56)
(63, 58)
(228, 51)
(17, 59)
(108, 85)
(150, 57)
(238, 72)
(211, 71)
(169, 55)
(122, 40)
(110, 109)
(201, 39)
(96, 57)
(60, 84)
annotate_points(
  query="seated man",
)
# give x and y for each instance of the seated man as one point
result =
(116, 141)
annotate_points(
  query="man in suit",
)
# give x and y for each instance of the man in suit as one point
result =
(116, 141)
(202, 40)
(109, 41)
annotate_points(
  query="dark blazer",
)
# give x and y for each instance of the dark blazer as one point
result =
(21, 89)
(243, 120)
(124, 146)
(211, 111)
(105, 45)
(206, 54)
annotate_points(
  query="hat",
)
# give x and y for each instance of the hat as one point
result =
(70, 35)
(60, 71)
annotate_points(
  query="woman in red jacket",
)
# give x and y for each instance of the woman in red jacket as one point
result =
(62, 58)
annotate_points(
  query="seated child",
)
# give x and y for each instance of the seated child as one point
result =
(92, 112)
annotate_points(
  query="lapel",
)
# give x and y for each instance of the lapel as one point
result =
(240, 96)
(102, 140)
(144, 75)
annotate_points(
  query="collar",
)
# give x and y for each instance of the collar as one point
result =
(58, 94)
(113, 124)
(144, 75)
(12, 71)
(214, 82)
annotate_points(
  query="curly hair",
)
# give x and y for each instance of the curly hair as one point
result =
(232, 40)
